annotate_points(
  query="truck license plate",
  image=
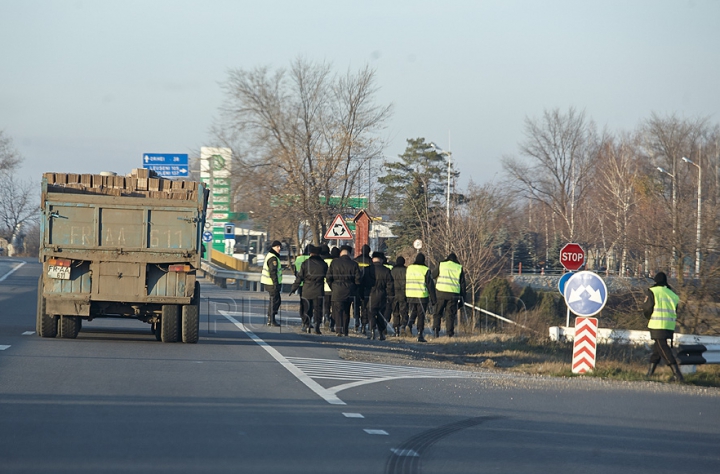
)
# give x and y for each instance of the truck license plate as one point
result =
(61, 273)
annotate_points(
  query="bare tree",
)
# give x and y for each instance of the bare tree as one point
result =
(305, 133)
(10, 158)
(561, 149)
(19, 209)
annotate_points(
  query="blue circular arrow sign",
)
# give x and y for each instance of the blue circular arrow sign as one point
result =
(207, 236)
(585, 293)
(563, 279)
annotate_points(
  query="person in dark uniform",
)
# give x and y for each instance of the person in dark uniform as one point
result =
(400, 307)
(660, 308)
(450, 288)
(343, 276)
(419, 290)
(367, 274)
(271, 277)
(379, 294)
(311, 278)
(327, 255)
(304, 312)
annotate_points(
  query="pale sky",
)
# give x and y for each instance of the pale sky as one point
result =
(88, 86)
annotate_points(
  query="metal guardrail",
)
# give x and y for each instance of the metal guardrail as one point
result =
(247, 281)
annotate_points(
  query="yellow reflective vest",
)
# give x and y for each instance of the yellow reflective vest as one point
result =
(265, 277)
(664, 313)
(415, 286)
(298, 263)
(449, 277)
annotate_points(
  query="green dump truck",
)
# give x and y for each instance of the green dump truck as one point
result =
(120, 246)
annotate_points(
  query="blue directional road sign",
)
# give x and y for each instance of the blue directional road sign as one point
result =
(563, 279)
(585, 293)
(207, 236)
(169, 165)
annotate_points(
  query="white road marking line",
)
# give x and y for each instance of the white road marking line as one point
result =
(326, 394)
(353, 415)
(28, 333)
(15, 268)
(404, 452)
(2, 348)
(376, 432)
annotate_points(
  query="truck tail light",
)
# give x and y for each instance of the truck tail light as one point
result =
(59, 262)
(179, 268)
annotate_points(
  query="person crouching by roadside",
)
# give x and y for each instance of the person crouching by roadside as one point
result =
(660, 307)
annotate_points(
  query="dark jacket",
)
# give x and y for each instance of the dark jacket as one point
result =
(343, 276)
(384, 287)
(312, 277)
(444, 295)
(367, 272)
(398, 275)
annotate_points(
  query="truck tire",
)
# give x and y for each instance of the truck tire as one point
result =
(191, 318)
(45, 325)
(170, 323)
(69, 327)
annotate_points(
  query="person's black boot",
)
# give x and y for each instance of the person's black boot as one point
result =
(273, 322)
(382, 335)
(651, 369)
(436, 333)
(420, 337)
(677, 375)
(317, 329)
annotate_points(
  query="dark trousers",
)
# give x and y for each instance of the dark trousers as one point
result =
(449, 308)
(661, 349)
(399, 312)
(314, 314)
(341, 315)
(304, 312)
(360, 310)
(274, 303)
(417, 312)
(327, 305)
(376, 308)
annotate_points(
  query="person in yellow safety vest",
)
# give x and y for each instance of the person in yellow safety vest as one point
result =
(272, 279)
(450, 287)
(660, 307)
(304, 316)
(419, 290)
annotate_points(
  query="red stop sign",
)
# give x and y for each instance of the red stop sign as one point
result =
(572, 257)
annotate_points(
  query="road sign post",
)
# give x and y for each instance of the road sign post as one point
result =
(572, 257)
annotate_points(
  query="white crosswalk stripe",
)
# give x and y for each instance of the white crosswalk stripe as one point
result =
(360, 371)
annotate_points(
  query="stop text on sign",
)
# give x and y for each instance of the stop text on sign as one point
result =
(572, 257)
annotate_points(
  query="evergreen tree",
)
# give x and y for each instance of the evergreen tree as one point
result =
(414, 193)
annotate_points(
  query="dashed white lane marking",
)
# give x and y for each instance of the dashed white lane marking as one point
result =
(376, 432)
(2, 348)
(28, 333)
(353, 415)
(404, 452)
(355, 373)
(15, 268)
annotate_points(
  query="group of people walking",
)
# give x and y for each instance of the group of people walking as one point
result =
(331, 284)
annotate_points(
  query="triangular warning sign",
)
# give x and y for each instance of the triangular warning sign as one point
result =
(338, 230)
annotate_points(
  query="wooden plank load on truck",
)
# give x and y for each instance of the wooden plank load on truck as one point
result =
(120, 246)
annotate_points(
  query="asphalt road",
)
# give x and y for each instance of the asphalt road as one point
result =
(248, 398)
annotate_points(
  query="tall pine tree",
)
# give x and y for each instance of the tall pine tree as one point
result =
(413, 193)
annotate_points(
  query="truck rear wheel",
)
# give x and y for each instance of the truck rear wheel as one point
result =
(69, 327)
(170, 323)
(191, 318)
(45, 325)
